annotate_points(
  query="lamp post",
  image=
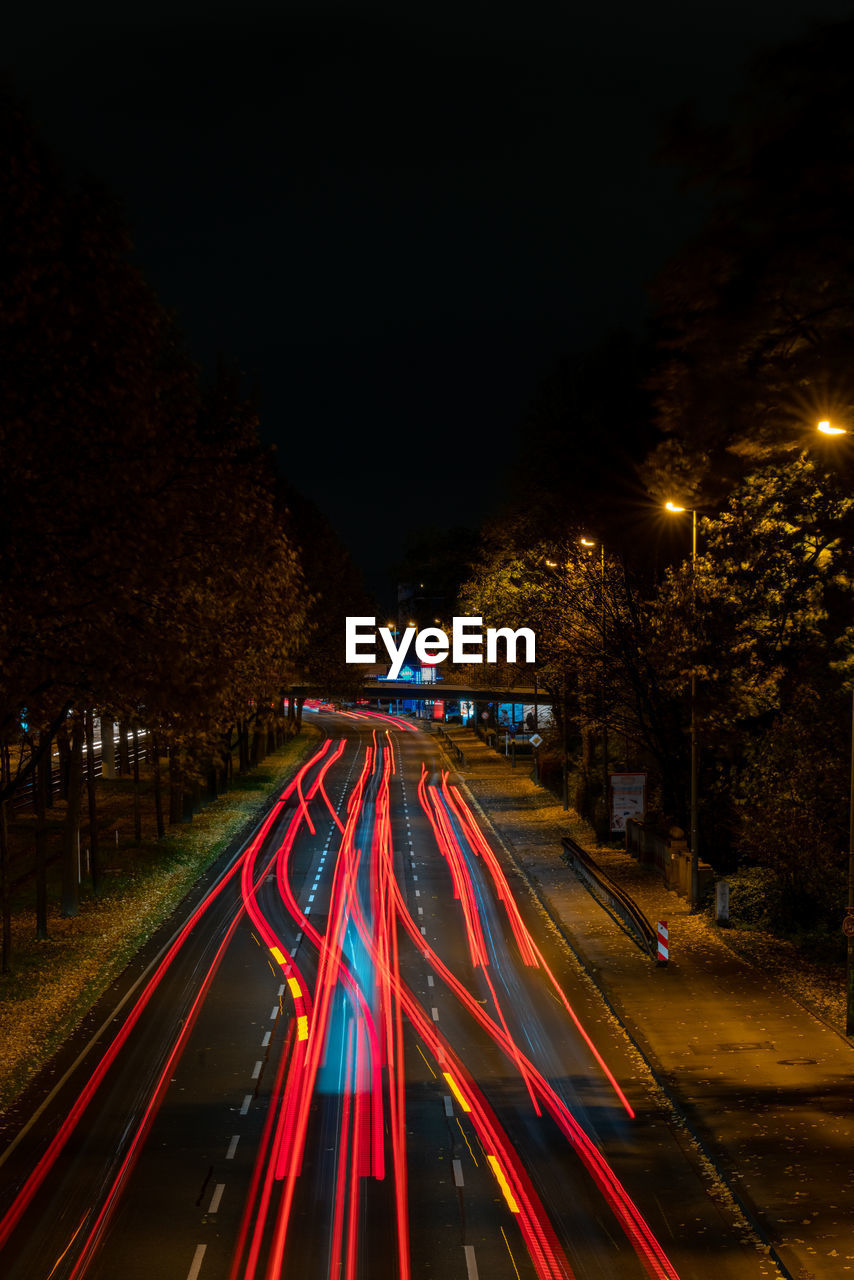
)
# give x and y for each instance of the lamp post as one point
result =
(827, 429)
(695, 833)
(589, 542)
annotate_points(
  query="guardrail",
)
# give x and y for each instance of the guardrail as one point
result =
(611, 896)
(448, 742)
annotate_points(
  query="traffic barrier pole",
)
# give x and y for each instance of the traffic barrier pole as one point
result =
(663, 941)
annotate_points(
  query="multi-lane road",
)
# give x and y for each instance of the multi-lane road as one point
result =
(363, 1054)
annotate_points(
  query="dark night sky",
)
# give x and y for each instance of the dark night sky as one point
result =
(394, 217)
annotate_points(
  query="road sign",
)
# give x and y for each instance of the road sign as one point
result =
(848, 925)
(535, 740)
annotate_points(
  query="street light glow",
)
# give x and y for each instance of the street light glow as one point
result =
(671, 506)
(587, 542)
(825, 427)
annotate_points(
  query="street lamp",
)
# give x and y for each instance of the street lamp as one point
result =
(695, 834)
(848, 923)
(590, 542)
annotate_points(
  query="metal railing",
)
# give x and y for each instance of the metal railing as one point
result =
(611, 896)
(448, 742)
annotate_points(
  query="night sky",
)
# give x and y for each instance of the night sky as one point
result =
(395, 218)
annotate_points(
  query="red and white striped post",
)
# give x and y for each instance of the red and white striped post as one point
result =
(663, 942)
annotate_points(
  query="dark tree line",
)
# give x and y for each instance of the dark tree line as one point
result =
(153, 570)
(750, 347)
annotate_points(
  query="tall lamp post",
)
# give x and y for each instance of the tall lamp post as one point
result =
(695, 832)
(590, 542)
(848, 923)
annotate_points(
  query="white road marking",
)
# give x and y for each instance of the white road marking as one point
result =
(216, 1197)
(266, 1040)
(311, 897)
(423, 930)
(421, 911)
(232, 1147)
(458, 1173)
(246, 1104)
(281, 990)
(417, 891)
(196, 1264)
(449, 1104)
(471, 1263)
(430, 982)
(256, 1070)
(434, 1014)
(274, 1012)
(307, 911)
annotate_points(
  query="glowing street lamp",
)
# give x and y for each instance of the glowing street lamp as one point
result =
(848, 924)
(828, 430)
(695, 832)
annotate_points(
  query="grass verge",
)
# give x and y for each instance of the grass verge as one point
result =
(53, 984)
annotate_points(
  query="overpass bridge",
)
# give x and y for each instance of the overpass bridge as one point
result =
(469, 692)
(440, 690)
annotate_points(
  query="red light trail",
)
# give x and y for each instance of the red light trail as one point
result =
(358, 1006)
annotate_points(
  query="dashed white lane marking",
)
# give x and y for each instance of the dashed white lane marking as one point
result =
(471, 1262)
(415, 878)
(266, 1040)
(449, 1104)
(196, 1264)
(430, 982)
(232, 1147)
(311, 897)
(292, 952)
(216, 1197)
(421, 911)
(247, 1102)
(307, 910)
(434, 1014)
(281, 990)
(256, 1070)
(270, 878)
(274, 1012)
(423, 930)
(418, 893)
(458, 1173)
(299, 939)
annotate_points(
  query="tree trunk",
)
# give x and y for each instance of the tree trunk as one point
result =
(158, 793)
(300, 701)
(93, 804)
(41, 779)
(124, 752)
(175, 781)
(137, 807)
(243, 744)
(71, 831)
(64, 749)
(5, 905)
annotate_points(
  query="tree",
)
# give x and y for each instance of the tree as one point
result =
(756, 314)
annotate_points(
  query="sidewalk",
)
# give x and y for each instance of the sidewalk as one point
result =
(766, 1087)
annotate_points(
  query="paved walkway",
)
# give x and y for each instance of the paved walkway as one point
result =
(766, 1087)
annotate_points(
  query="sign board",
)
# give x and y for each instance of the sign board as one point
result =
(848, 926)
(628, 799)
(535, 740)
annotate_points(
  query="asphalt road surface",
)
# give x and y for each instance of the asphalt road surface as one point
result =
(361, 1054)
